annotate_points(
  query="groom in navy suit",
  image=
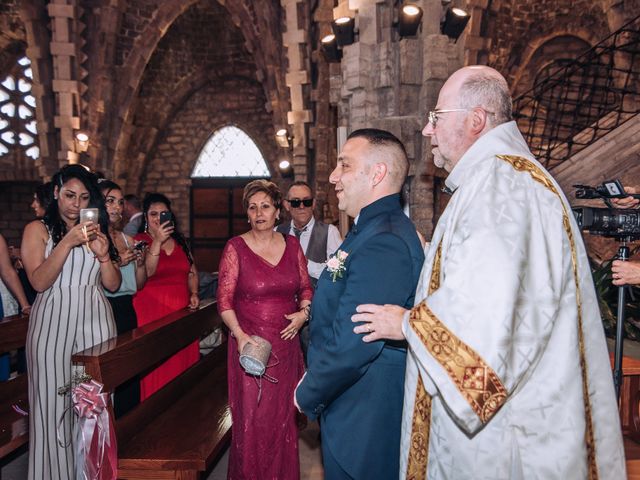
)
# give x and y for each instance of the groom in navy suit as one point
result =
(356, 388)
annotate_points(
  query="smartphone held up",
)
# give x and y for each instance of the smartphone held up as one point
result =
(165, 217)
(88, 215)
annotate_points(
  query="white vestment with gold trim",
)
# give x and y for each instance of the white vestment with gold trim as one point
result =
(498, 347)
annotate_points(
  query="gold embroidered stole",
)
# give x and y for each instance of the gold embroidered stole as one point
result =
(421, 422)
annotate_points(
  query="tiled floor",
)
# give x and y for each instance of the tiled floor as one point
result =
(310, 460)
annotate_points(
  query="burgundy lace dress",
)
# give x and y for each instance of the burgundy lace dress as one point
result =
(264, 443)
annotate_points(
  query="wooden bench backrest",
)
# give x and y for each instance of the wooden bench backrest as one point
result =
(119, 359)
(115, 361)
(13, 427)
(13, 332)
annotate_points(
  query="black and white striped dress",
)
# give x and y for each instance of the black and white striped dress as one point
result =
(71, 315)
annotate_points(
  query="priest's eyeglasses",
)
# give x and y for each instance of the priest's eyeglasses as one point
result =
(432, 118)
(295, 202)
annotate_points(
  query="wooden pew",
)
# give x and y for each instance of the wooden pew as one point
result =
(180, 430)
(14, 427)
(630, 414)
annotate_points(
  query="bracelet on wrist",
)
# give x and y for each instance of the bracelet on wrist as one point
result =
(154, 254)
(307, 312)
(104, 261)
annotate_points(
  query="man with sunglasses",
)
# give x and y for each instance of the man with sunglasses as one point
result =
(508, 374)
(317, 239)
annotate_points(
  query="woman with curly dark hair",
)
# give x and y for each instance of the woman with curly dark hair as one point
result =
(68, 262)
(172, 284)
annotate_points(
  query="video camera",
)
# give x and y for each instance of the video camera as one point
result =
(622, 225)
(608, 189)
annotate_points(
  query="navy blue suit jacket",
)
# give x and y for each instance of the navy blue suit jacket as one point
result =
(355, 387)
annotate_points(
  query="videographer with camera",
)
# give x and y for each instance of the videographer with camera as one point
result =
(618, 221)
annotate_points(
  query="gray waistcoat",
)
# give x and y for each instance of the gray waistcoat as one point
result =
(317, 249)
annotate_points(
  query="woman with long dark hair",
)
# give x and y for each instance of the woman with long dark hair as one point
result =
(172, 284)
(134, 275)
(68, 263)
(41, 199)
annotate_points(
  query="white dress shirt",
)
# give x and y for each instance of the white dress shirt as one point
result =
(333, 242)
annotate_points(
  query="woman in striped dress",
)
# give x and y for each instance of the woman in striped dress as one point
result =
(68, 263)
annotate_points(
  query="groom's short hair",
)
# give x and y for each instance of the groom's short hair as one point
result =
(391, 150)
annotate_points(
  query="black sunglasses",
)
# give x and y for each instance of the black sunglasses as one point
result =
(295, 203)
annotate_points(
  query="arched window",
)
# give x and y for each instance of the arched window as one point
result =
(230, 152)
(17, 111)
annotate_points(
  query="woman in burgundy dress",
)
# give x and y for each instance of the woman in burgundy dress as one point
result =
(264, 290)
(172, 284)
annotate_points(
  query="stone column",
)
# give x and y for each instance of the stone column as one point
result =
(390, 83)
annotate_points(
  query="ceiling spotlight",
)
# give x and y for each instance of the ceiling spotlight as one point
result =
(344, 30)
(284, 164)
(454, 23)
(81, 141)
(286, 169)
(329, 47)
(82, 137)
(283, 139)
(409, 20)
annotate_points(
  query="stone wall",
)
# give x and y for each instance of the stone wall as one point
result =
(390, 83)
(231, 101)
(15, 212)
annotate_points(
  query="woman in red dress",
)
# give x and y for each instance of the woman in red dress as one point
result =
(172, 284)
(264, 290)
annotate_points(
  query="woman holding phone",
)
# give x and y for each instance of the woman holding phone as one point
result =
(68, 262)
(134, 275)
(172, 284)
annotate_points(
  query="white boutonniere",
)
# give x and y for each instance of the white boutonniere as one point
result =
(335, 264)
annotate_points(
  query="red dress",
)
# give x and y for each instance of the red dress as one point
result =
(165, 292)
(264, 435)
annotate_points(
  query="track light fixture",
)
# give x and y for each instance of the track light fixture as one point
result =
(409, 19)
(344, 30)
(285, 167)
(455, 21)
(81, 140)
(329, 47)
(283, 139)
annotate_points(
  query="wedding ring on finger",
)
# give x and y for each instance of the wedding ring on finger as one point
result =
(369, 329)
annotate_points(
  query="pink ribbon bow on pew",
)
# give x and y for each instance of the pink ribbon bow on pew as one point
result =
(96, 451)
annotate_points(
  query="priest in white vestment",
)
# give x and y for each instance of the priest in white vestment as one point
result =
(508, 374)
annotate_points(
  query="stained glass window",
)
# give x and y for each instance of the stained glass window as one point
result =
(230, 152)
(17, 111)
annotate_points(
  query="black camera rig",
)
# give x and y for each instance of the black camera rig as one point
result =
(622, 225)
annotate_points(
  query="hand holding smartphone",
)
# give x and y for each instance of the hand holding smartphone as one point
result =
(140, 246)
(166, 216)
(88, 215)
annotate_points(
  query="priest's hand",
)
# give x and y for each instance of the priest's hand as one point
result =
(625, 273)
(379, 322)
